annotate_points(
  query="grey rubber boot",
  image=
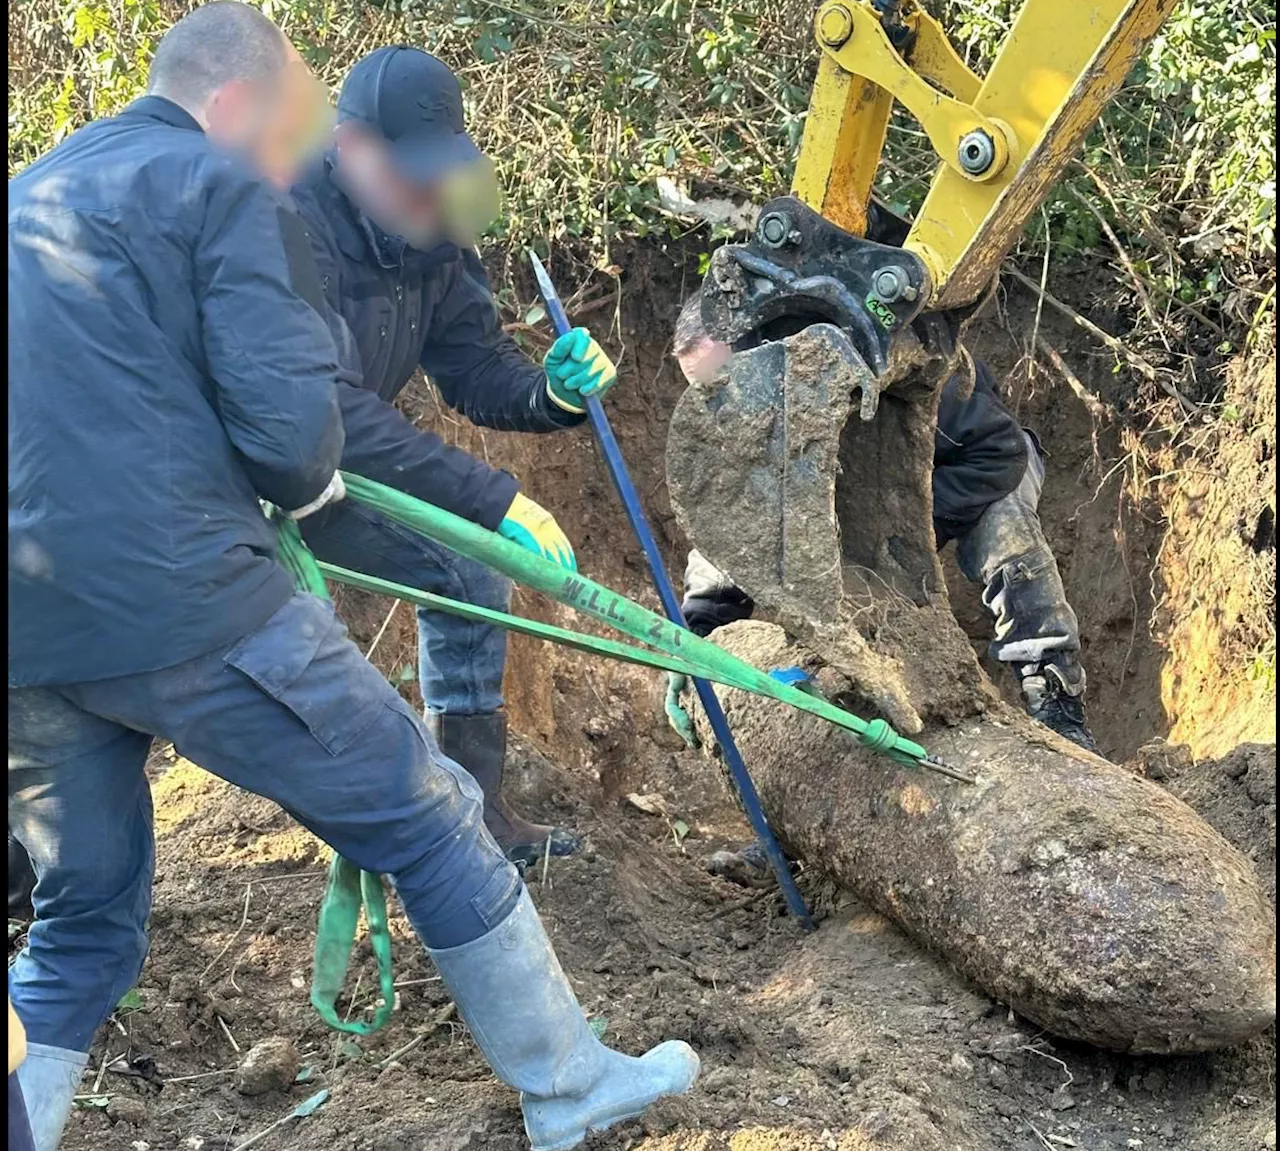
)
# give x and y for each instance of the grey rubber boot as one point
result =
(49, 1077)
(479, 744)
(512, 994)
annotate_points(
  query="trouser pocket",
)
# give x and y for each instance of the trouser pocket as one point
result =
(301, 657)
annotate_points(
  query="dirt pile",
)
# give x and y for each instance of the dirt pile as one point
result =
(852, 1038)
(1217, 568)
(1235, 794)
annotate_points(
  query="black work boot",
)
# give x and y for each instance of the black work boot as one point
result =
(479, 744)
(22, 882)
(1054, 693)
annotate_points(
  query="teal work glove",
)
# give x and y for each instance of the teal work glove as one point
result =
(677, 717)
(534, 528)
(577, 367)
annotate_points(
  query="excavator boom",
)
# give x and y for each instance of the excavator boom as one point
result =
(834, 297)
(1002, 139)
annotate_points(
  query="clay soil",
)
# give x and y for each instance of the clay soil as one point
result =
(851, 1038)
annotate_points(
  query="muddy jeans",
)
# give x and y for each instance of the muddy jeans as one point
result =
(1006, 552)
(292, 712)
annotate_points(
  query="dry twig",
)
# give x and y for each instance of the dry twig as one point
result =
(227, 1032)
(1096, 407)
(401, 1051)
(1141, 365)
(107, 1060)
(248, 893)
(1123, 256)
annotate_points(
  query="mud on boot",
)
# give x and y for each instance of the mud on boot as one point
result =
(479, 744)
(512, 993)
(1053, 691)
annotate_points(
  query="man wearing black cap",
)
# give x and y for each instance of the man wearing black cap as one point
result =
(168, 369)
(393, 213)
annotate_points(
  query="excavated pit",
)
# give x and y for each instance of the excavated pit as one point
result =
(1088, 899)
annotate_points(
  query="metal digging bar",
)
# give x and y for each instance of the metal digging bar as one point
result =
(671, 605)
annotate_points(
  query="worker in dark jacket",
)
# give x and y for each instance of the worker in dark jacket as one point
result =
(987, 477)
(168, 369)
(393, 212)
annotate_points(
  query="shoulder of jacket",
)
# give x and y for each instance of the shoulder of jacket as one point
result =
(161, 172)
(329, 216)
(467, 266)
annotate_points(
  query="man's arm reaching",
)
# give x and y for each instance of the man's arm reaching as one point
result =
(478, 368)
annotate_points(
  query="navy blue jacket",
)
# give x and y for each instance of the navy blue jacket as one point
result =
(395, 309)
(164, 374)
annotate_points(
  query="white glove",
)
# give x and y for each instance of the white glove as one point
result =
(331, 494)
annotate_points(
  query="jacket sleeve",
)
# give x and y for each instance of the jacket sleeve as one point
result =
(382, 445)
(980, 453)
(478, 367)
(269, 354)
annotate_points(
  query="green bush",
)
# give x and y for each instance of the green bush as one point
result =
(584, 103)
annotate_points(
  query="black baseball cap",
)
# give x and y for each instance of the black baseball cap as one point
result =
(414, 102)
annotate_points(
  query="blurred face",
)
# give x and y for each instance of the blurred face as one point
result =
(704, 360)
(398, 206)
(457, 207)
(277, 124)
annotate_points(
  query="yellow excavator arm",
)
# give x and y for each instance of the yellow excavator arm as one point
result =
(1002, 139)
(846, 322)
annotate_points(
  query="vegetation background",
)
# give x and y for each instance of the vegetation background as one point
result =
(1159, 248)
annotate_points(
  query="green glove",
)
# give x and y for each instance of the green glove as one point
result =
(677, 717)
(577, 367)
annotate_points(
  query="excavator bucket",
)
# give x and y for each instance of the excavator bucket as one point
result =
(806, 477)
(783, 488)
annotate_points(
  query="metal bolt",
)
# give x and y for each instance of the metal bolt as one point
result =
(835, 25)
(775, 229)
(893, 283)
(977, 152)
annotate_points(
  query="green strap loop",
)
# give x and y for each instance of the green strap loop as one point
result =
(346, 891)
(347, 888)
